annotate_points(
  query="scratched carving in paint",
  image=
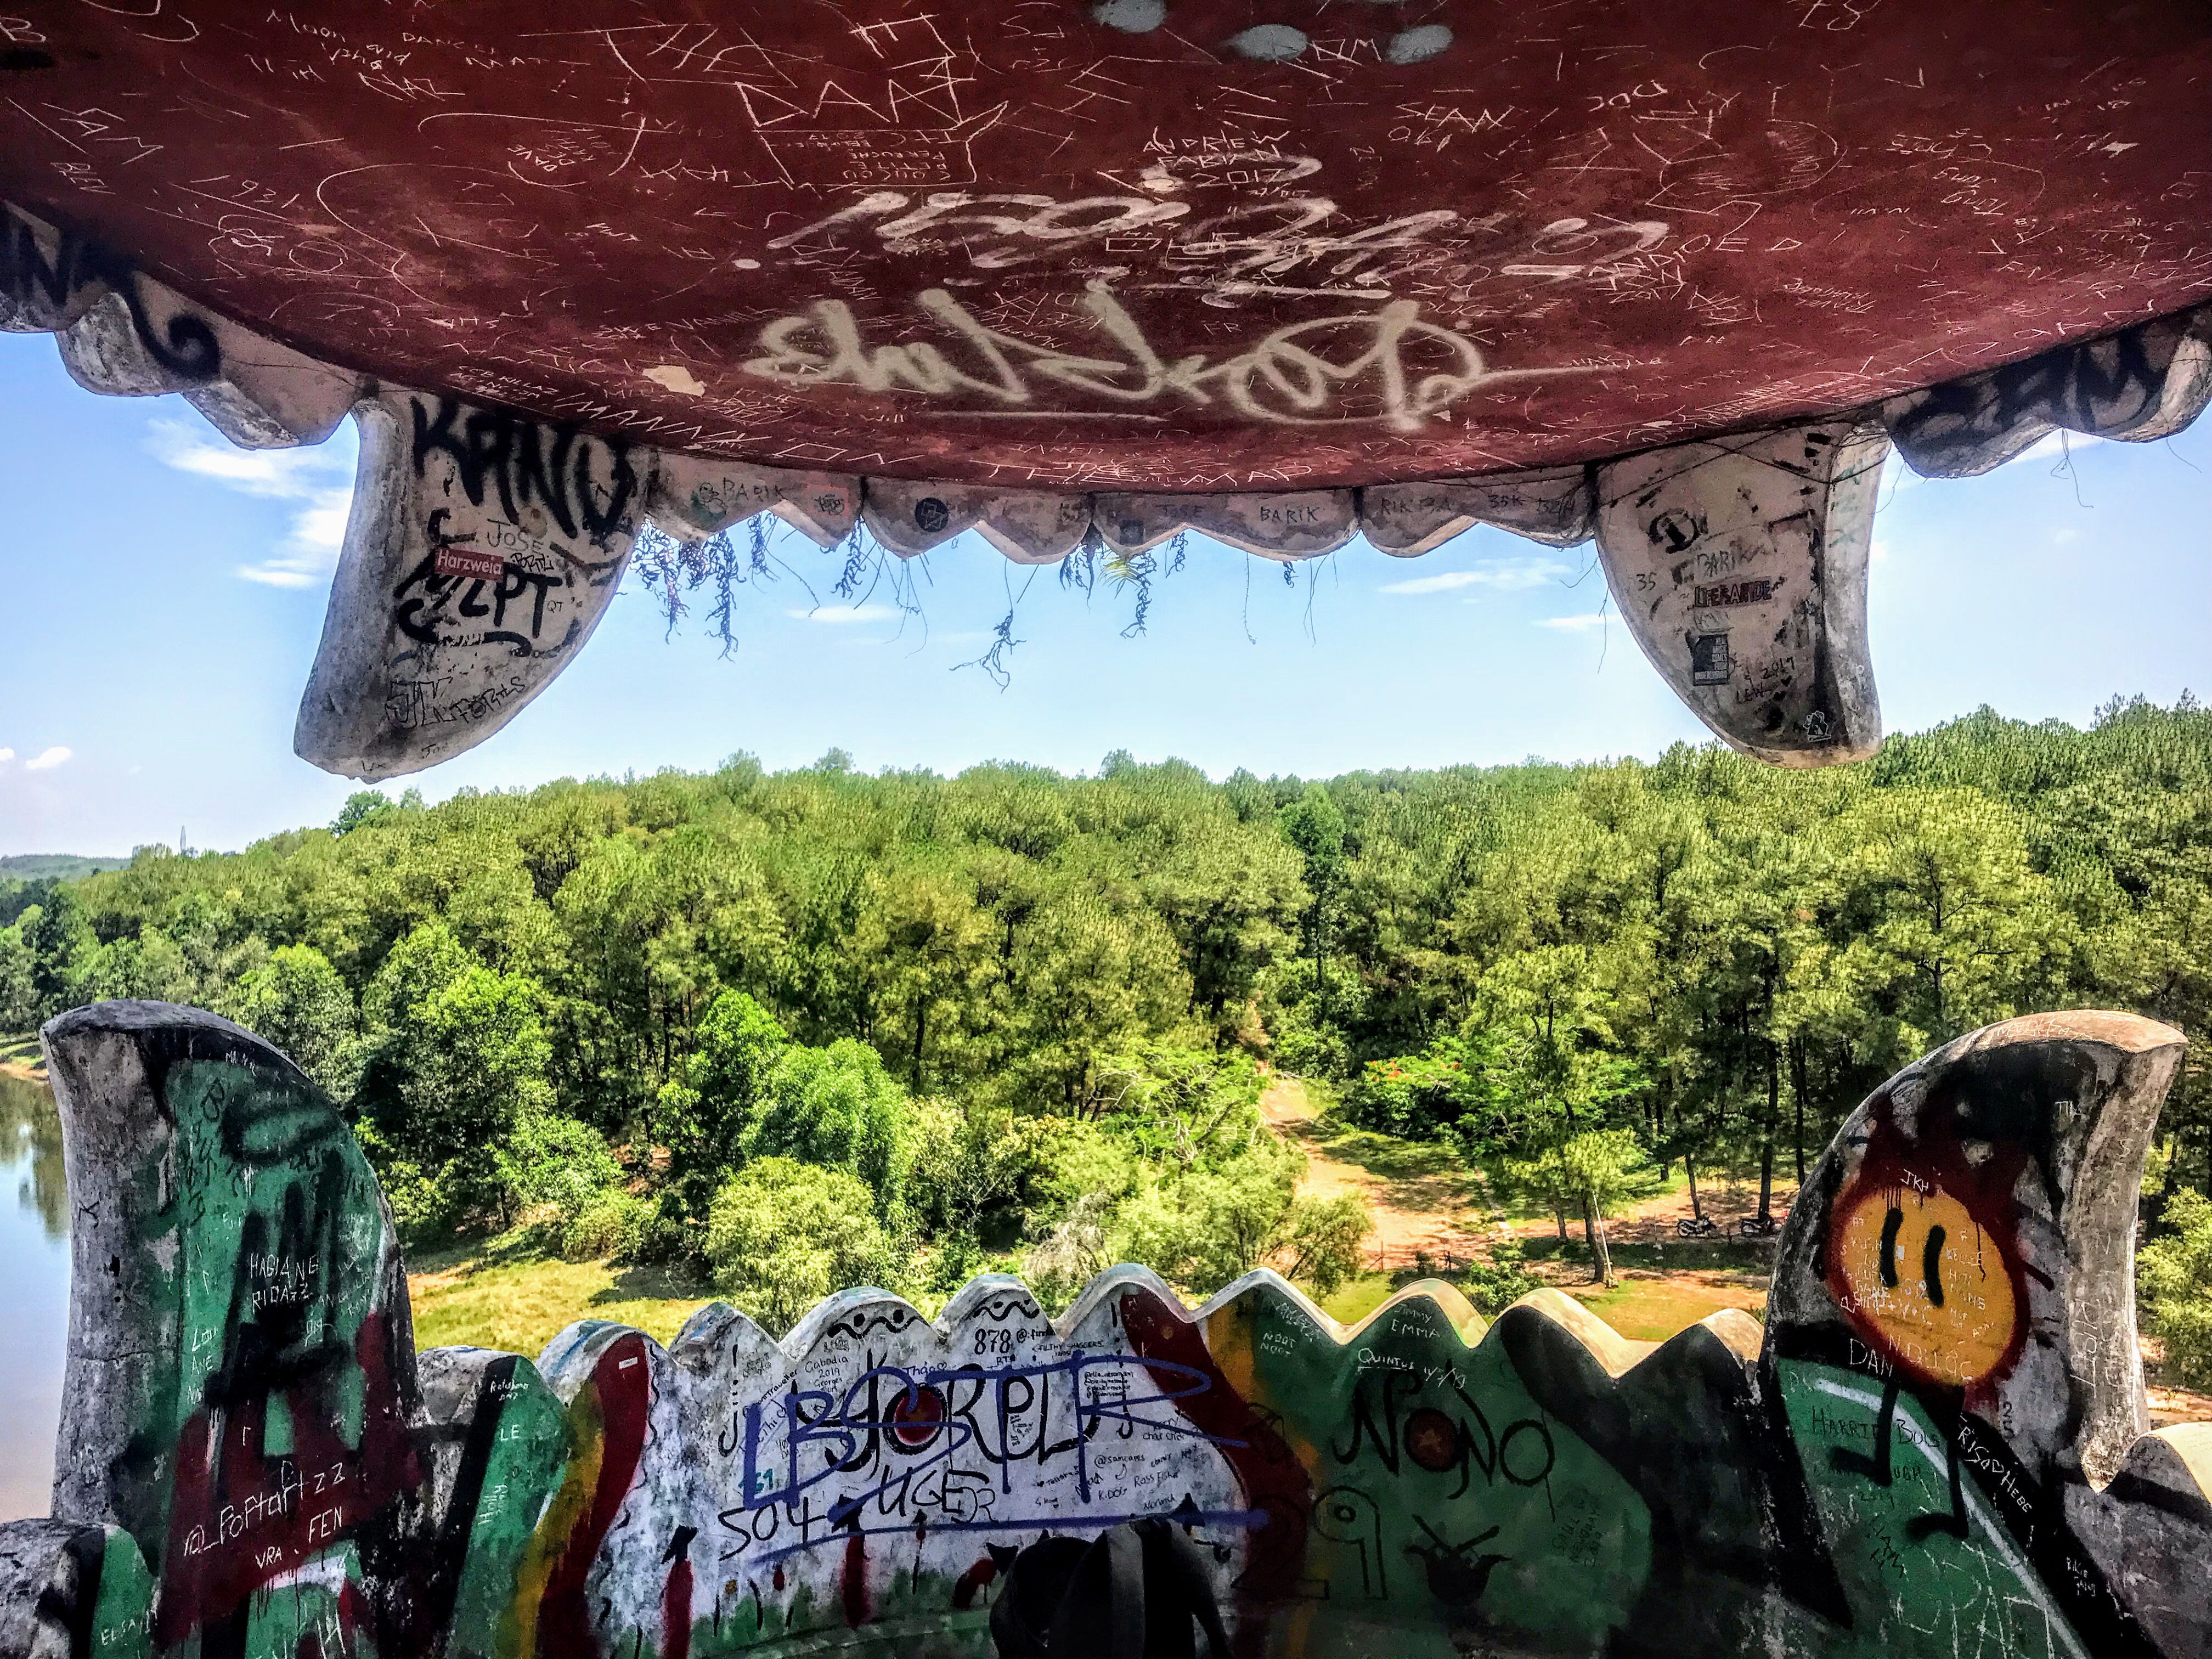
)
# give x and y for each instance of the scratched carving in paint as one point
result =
(1891, 1462)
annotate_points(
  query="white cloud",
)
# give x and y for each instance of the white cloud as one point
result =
(1510, 576)
(838, 615)
(315, 478)
(1595, 619)
(6, 755)
(46, 760)
(1880, 550)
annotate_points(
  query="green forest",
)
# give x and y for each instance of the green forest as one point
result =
(803, 1028)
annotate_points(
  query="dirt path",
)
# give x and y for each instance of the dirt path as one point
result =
(1417, 1196)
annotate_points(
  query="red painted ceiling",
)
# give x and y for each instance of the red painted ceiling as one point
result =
(1184, 244)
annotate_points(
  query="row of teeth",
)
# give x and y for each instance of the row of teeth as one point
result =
(485, 545)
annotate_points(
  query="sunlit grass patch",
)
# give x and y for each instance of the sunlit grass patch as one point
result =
(1653, 1310)
(519, 1306)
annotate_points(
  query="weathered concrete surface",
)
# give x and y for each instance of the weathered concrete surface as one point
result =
(482, 550)
(1146, 244)
(1554, 507)
(2145, 382)
(1740, 567)
(1301, 524)
(1912, 1459)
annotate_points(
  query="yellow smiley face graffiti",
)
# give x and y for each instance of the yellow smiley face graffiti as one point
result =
(1925, 1283)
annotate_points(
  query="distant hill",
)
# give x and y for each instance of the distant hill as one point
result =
(53, 866)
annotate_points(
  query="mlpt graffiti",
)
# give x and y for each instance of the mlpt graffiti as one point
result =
(1935, 1445)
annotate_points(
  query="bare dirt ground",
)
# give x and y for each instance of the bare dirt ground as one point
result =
(1416, 1193)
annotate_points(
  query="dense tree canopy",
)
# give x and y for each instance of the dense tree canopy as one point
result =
(959, 990)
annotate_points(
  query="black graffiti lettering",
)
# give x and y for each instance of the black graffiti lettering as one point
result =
(512, 584)
(1363, 1422)
(1535, 1477)
(524, 462)
(186, 346)
(534, 476)
(2108, 387)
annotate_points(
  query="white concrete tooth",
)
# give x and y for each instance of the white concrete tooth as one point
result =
(1553, 505)
(270, 397)
(1300, 524)
(1029, 526)
(148, 339)
(2145, 382)
(696, 495)
(910, 518)
(483, 548)
(1739, 565)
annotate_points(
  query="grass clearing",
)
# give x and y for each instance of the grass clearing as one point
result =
(1352, 1302)
(1651, 1310)
(473, 1295)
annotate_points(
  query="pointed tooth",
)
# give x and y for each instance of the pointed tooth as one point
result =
(448, 615)
(258, 393)
(1033, 527)
(1553, 505)
(1739, 565)
(911, 518)
(696, 495)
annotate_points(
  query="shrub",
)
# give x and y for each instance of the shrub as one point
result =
(782, 1234)
(1495, 1285)
(2173, 1282)
(611, 1223)
(1414, 1096)
(837, 1107)
(554, 1160)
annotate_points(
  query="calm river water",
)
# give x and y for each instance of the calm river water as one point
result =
(35, 1276)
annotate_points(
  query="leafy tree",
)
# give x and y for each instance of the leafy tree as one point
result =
(838, 1108)
(701, 1120)
(62, 944)
(362, 806)
(2174, 1279)
(1589, 1173)
(19, 994)
(456, 1064)
(297, 1001)
(781, 1234)
(1315, 828)
(1322, 1239)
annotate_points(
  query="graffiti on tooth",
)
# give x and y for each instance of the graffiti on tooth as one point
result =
(2147, 382)
(1740, 566)
(483, 548)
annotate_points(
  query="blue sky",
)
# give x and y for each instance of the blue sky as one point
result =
(167, 593)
